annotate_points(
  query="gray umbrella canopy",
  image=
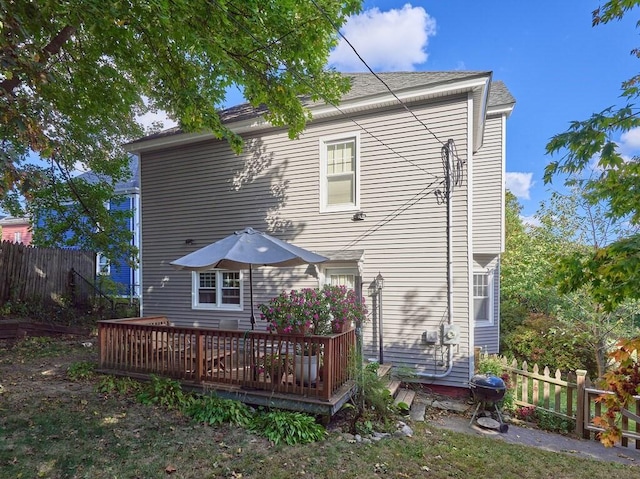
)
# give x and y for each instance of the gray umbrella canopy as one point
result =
(243, 250)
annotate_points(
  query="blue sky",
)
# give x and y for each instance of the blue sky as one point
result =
(558, 67)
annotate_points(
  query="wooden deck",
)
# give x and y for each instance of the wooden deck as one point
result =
(233, 364)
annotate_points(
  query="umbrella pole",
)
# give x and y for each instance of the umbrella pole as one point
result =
(253, 318)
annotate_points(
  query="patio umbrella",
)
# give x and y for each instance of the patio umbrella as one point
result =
(243, 250)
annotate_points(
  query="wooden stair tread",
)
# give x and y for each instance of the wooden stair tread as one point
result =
(406, 396)
(383, 370)
(393, 387)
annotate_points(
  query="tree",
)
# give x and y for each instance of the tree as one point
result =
(611, 270)
(556, 327)
(74, 74)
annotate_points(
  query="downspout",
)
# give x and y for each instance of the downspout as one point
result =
(448, 196)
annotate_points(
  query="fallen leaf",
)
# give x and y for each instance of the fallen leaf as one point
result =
(170, 469)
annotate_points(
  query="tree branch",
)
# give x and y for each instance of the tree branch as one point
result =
(52, 48)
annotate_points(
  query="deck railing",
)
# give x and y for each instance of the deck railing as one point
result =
(247, 359)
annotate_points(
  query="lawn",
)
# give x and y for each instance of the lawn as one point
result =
(52, 427)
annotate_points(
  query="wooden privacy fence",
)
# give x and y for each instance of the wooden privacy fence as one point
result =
(571, 396)
(27, 272)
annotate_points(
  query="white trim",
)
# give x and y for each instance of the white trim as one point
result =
(490, 292)
(322, 146)
(470, 322)
(195, 286)
(327, 272)
(500, 110)
(478, 87)
(99, 271)
(135, 204)
(503, 211)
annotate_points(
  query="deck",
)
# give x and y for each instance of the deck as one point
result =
(255, 367)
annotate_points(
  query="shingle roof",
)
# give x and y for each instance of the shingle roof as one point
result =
(121, 187)
(366, 84)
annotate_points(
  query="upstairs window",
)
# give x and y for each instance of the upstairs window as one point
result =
(217, 289)
(339, 173)
(17, 237)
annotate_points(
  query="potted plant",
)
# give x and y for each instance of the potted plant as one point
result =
(344, 308)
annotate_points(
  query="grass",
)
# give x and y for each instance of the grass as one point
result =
(52, 427)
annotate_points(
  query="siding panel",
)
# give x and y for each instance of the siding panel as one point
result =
(203, 192)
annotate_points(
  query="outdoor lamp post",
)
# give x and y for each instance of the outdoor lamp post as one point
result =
(379, 282)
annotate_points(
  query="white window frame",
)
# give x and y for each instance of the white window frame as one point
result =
(340, 271)
(100, 271)
(324, 142)
(490, 296)
(17, 237)
(219, 305)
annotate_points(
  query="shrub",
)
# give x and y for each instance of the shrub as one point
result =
(288, 427)
(213, 410)
(165, 393)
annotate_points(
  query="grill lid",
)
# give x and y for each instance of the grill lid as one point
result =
(487, 381)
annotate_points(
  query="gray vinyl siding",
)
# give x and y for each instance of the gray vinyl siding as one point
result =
(488, 190)
(487, 337)
(203, 192)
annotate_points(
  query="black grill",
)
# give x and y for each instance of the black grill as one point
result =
(488, 389)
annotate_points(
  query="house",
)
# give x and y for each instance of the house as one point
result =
(126, 277)
(16, 230)
(366, 185)
(127, 198)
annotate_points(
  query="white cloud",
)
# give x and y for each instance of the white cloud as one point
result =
(395, 40)
(519, 184)
(530, 220)
(629, 143)
(151, 119)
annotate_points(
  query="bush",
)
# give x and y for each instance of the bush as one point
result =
(213, 410)
(165, 393)
(288, 427)
(544, 341)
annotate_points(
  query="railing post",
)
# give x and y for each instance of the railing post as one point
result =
(581, 410)
(102, 345)
(200, 355)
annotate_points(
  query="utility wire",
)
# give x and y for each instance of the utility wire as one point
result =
(333, 104)
(337, 29)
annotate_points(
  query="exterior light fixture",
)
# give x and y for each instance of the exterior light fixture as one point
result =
(358, 216)
(379, 282)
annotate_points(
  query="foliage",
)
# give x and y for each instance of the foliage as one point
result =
(542, 340)
(312, 311)
(526, 267)
(610, 270)
(213, 410)
(549, 421)
(288, 427)
(492, 365)
(372, 404)
(123, 386)
(164, 392)
(624, 382)
(81, 371)
(74, 75)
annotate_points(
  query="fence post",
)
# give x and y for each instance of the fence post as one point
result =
(581, 431)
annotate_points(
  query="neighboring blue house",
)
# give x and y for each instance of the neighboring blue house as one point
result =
(127, 278)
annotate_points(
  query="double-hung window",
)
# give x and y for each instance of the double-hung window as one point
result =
(217, 289)
(17, 237)
(103, 265)
(482, 299)
(340, 175)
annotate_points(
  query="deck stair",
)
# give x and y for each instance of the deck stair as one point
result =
(400, 394)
